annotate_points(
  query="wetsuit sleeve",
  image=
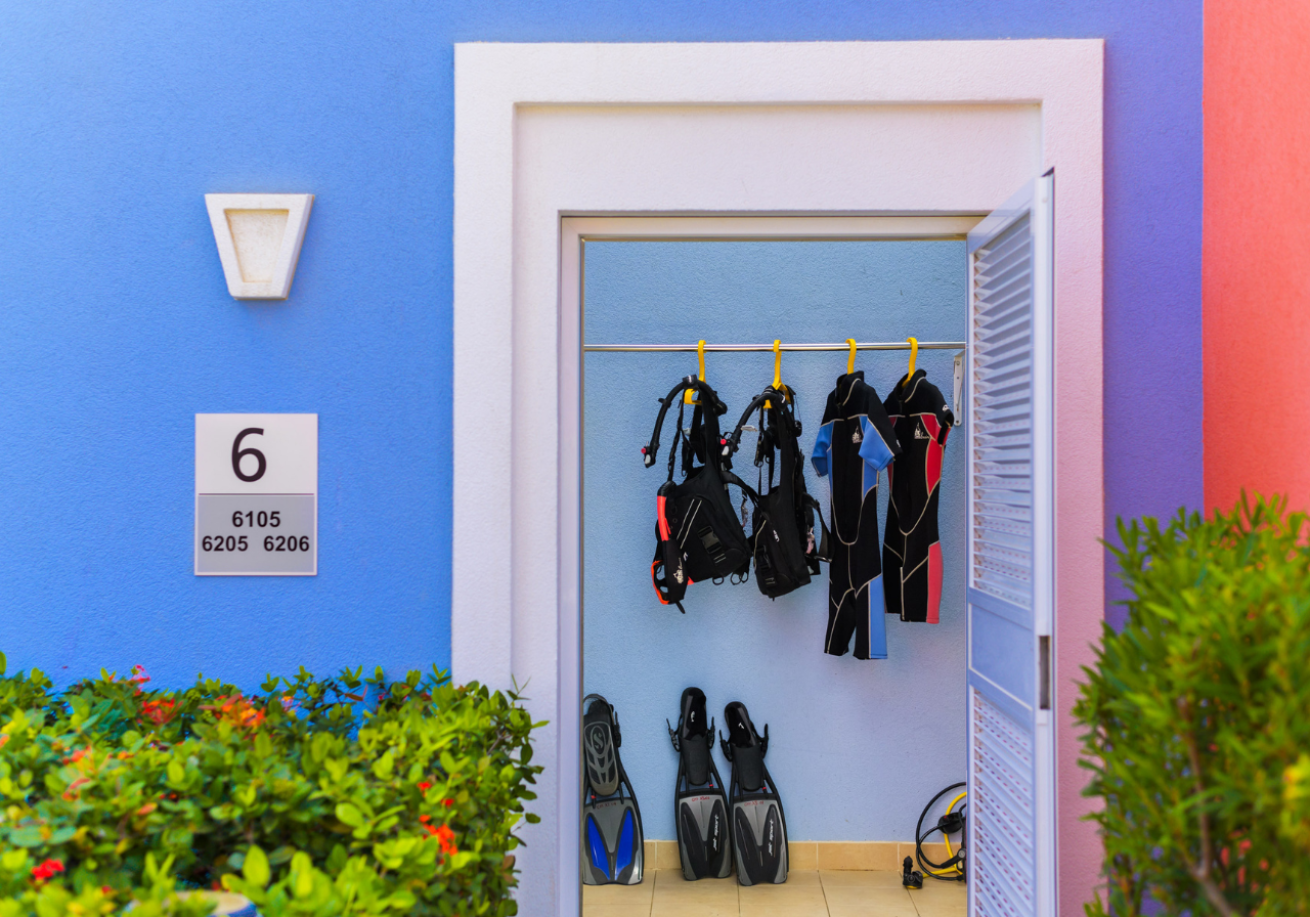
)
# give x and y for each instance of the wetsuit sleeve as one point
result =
(822, 453)
(945, 417)
(880, 445)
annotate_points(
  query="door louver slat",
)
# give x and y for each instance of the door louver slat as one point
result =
(1004, 253)
(997, 344)
(1000, 797)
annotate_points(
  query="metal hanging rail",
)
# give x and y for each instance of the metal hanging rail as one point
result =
(768, 348)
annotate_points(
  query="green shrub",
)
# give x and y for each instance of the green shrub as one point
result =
(1199, 717)
(316, 797)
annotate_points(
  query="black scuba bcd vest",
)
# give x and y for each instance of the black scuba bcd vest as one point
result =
(698, 535)
(783, 538)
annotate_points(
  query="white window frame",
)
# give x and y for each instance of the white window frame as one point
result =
(725, 133)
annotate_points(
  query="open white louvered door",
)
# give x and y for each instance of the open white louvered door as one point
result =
(1010, 429)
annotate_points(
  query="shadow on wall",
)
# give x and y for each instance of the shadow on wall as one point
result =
(857, 747)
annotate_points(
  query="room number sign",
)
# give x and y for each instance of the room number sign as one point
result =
(256, 495)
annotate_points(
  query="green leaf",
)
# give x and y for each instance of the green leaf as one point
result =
(349, 815)
(256, 869)
(303, 883)
(26, 837)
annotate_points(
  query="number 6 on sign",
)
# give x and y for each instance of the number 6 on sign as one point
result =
(256, 495)
(238, 454)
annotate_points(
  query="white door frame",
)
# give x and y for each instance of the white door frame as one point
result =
(544, 132)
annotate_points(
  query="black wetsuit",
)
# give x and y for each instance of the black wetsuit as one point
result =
(912, 553)
(854, 444)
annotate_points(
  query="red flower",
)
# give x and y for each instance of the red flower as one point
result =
(424, 787)
(446, 838)
(159, 711)
(47, 869)
(238, 711)
(447, 802)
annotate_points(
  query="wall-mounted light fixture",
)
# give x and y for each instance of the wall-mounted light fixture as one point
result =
(259, 237)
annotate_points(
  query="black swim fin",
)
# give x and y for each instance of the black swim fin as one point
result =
(759, 830)
(613, 851)
(700, 804)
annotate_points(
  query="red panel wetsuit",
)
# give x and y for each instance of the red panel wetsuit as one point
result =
(855, 442)
(912, 553)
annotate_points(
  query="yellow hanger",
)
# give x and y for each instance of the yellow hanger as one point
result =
(777, 367)
(700, 358)
(914, 355)
(850, 361)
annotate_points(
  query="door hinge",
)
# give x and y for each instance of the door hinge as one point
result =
(1044, 673)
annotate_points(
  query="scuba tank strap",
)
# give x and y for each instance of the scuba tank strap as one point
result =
(679, 435)
(730, 478)
(652, 449)
(814, 510)
(734, 439)
(708, 400)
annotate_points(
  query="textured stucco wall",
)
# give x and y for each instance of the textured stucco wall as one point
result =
(1257, 271)
(116, 327)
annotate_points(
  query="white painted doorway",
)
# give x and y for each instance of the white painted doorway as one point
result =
(548, 132)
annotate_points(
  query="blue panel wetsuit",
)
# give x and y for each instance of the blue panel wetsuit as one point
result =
(854, 444)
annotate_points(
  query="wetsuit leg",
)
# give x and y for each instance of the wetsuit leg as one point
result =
(893, 553)
(921, 577)
(841, 617)
(871, 627)
(854, 609)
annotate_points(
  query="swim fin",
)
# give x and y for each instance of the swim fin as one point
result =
(759, 830)
(613, 851)
(700, 805)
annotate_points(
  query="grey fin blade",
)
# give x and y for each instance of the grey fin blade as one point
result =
(694, 861)
(761, 841)
(613, 844)
(704, 835)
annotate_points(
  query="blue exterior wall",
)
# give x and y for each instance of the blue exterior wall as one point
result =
(857, 746)
(116, 327)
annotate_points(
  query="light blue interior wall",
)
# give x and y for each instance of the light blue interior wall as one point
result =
(857, 746)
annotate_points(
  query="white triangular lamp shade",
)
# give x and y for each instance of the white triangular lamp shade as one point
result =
(259, 238)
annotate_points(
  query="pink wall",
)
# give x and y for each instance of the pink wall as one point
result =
(1256, 245)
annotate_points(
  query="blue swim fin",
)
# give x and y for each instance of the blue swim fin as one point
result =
(613, 851)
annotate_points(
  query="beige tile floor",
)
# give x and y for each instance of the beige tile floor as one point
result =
(816, 893)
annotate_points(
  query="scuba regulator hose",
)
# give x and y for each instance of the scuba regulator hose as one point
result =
(951, 823)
